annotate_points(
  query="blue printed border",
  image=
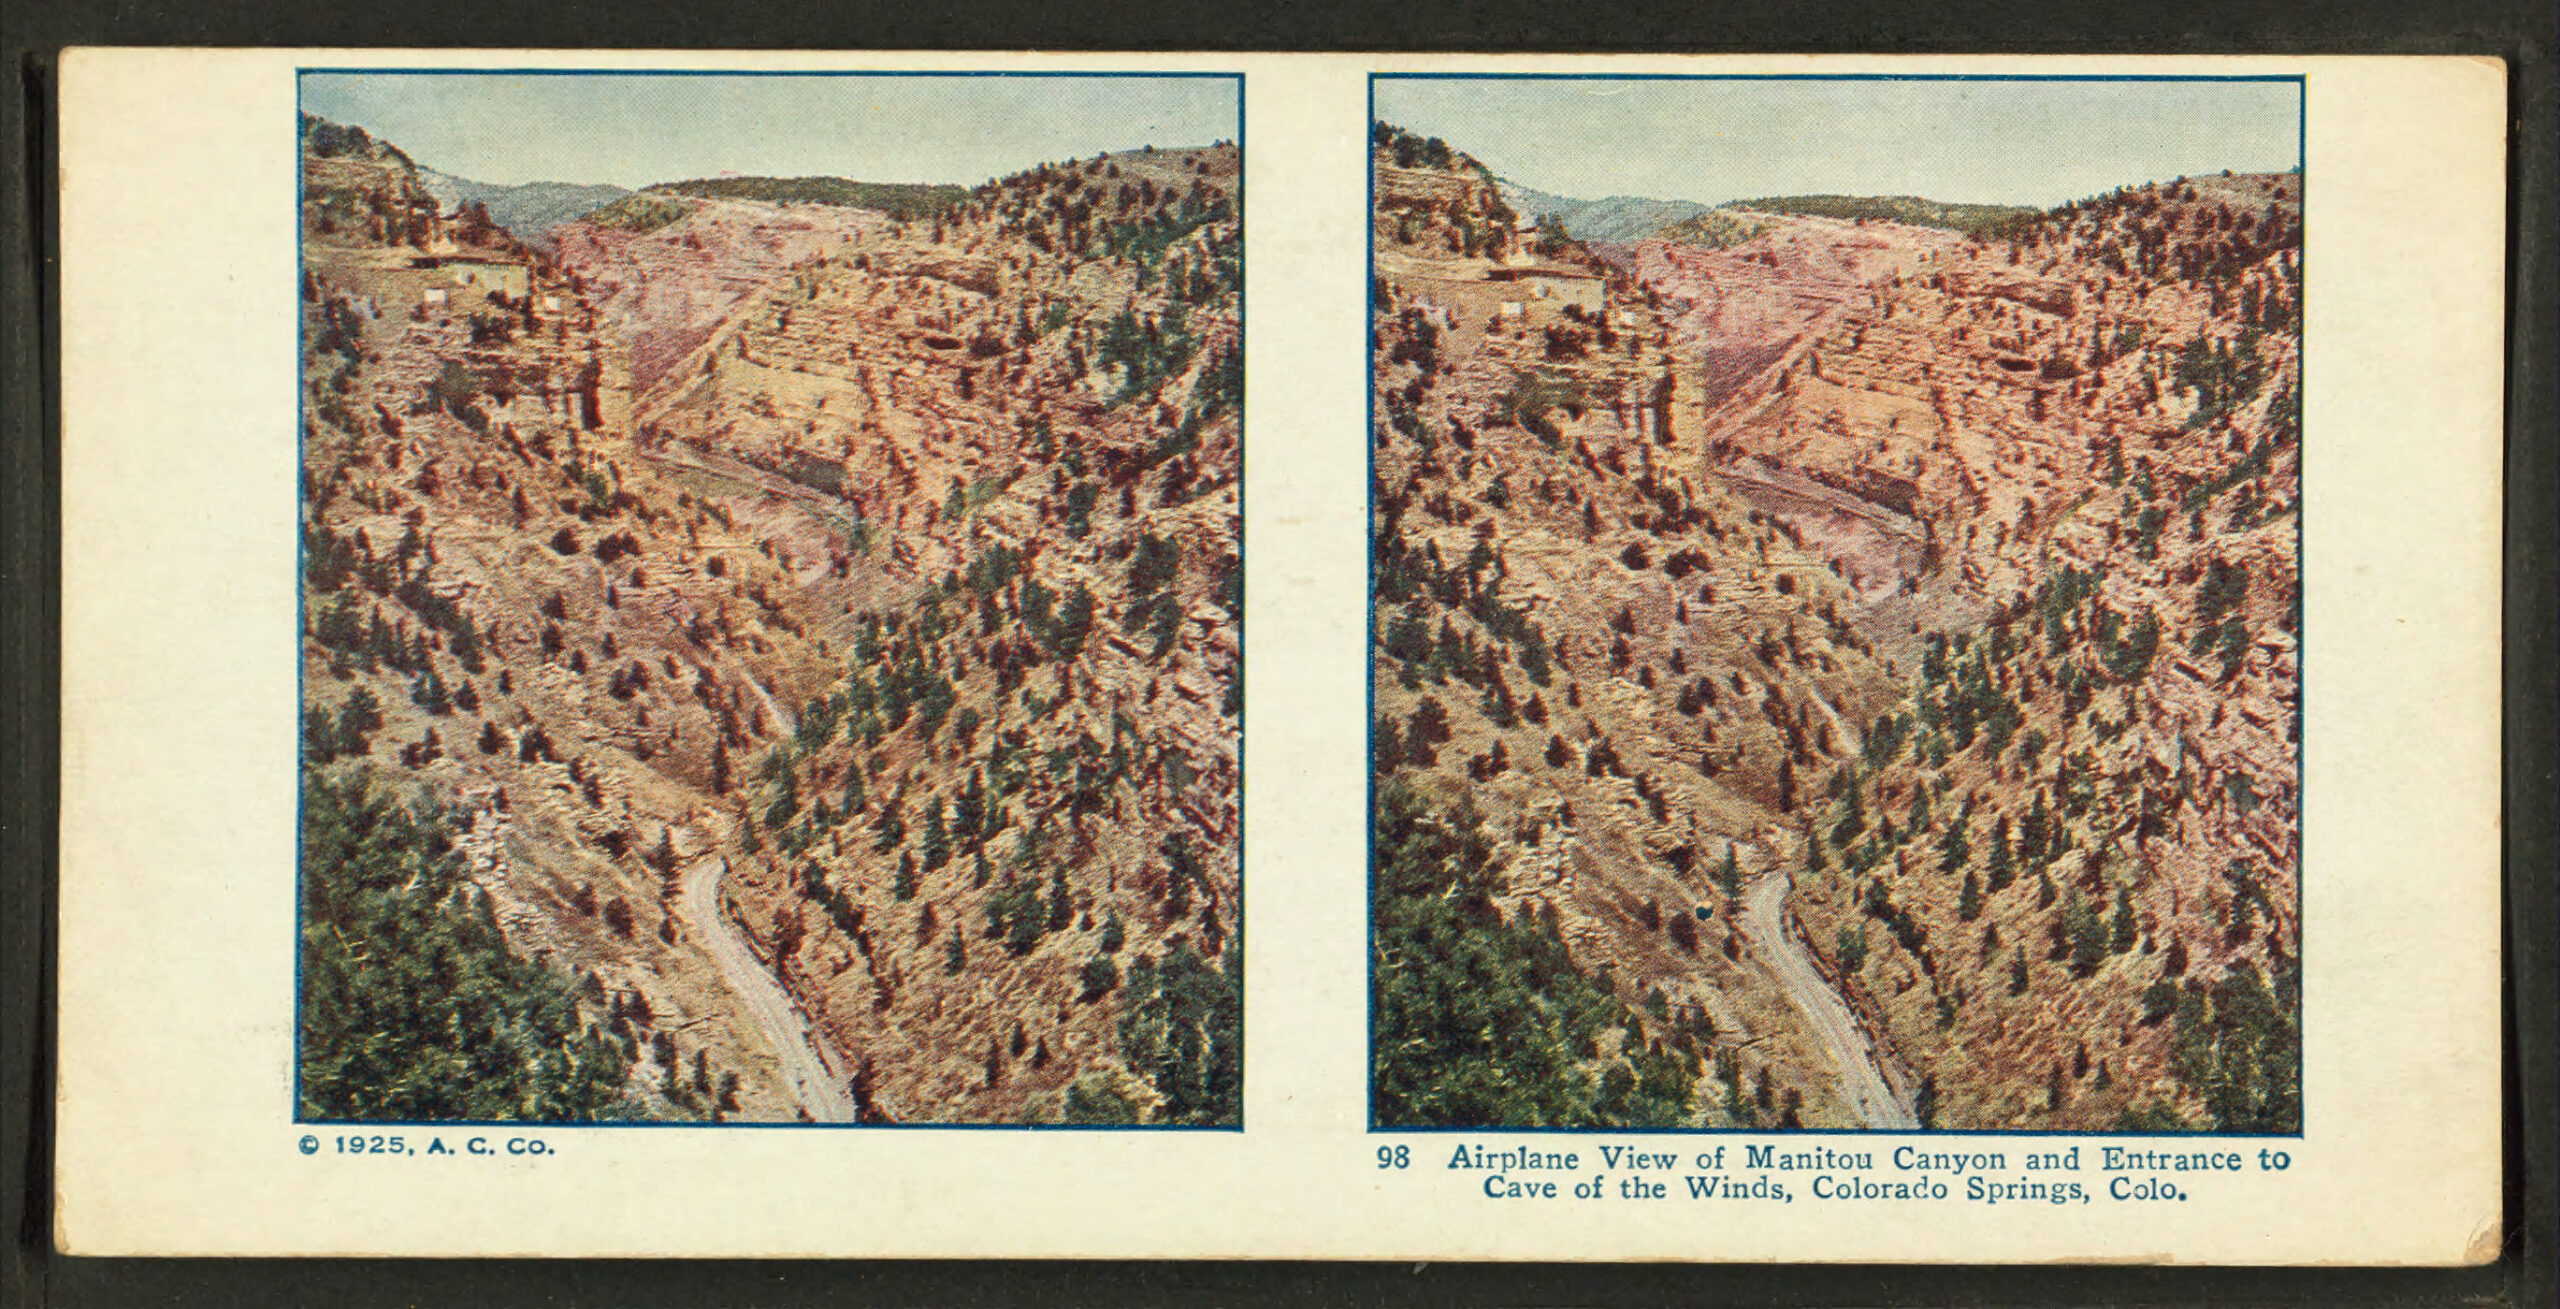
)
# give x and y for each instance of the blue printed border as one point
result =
(1369, 618)
(301, 602)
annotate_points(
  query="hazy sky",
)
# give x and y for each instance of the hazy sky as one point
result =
(2004, 142)
(637, 129)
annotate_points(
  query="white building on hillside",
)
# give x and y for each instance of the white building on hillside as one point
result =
(1553, 282)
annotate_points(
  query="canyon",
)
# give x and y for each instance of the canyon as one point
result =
(847, 594)
(1920, 599)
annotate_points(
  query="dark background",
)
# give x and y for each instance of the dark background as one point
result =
(2523, 32)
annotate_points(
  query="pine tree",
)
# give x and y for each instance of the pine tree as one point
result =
(969, 815)
(1098, 976)
(319, 736)
(1853, 820)
(1969, 901)
(358, 719)
(937, 838)
(1062, 909)
(2002, 870)
(2087, 932)
(904, 888)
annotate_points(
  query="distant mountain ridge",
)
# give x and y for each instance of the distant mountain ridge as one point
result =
(1617, 218)
(1638, 218)
(526, 209)
(900, 200)
(1970, 219)
(644, 211)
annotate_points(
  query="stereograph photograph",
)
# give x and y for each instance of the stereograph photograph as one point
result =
(1860, 660)
(771, 599)
(1835, 603)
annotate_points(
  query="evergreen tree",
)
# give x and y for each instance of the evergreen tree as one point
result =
(1479, 1021)
(1729, 873)
(2002, 870)
(937, 839)
(319, 736)
(497, 1036)
(1062, 909)
(1181, 1028)
(1955, 846)
(2087, 933)
(1097, 978)
(1853, 820)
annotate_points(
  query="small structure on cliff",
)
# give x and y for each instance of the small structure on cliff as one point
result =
(1552, 282)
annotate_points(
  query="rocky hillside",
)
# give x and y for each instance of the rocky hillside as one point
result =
(1596, 669)
(759, 627)
(1862, 652)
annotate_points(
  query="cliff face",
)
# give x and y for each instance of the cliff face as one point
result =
(664, 291)
(2097, 428)
(1622, 664)
(645, 567)
(1031, 447)
(535, 613)
(1950, 580)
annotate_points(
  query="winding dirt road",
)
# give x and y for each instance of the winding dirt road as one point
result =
(821, 1093)
(1766, 921)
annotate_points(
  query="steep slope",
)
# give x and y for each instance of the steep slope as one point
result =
(999, 852)
(1738, 309)
(2095, 429)
(572, 572)
(1854, 513)
(481, 556)
(1616, 674)
(662, 289)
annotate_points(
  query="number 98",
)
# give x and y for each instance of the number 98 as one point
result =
(1394, 1156)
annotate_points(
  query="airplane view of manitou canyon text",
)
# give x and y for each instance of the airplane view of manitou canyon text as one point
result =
(771, 599)
(1835, 613)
